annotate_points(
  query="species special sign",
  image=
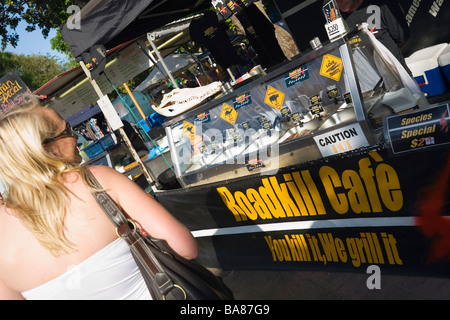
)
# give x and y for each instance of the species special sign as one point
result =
(420, 129)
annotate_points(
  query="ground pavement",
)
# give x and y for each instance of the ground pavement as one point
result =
(319, 285)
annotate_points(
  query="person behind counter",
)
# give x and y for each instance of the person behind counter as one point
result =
(55, 240)
(135, 138)
(385, 19)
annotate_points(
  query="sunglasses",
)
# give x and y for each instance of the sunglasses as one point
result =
(68, 131)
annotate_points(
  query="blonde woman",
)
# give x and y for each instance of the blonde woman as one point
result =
(55, 241)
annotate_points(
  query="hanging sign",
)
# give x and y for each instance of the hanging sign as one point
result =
(188, 130)
(110, 113)
(296, 76)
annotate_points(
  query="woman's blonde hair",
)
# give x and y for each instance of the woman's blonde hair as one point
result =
(33, 177)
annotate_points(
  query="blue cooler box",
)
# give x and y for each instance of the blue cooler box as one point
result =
(425, 68)
(93, 150)
(444, 62)
(99, 146)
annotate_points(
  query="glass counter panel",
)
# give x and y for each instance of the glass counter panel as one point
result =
(320, 91)
(291, 105)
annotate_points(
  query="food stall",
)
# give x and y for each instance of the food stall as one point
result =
(330, 161)
(315, 166)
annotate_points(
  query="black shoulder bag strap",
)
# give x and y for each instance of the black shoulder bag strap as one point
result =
(126, 229)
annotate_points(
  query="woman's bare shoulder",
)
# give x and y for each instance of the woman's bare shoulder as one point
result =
(107, 175)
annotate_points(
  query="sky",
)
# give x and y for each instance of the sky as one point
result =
(34, 43)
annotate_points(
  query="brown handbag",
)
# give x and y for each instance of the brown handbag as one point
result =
(168, 275)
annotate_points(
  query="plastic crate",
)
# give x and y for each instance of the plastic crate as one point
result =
(107, 142)
(93, 150)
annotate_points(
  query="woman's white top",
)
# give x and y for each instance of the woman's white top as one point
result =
(109, 274)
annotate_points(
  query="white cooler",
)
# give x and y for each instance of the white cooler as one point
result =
(424, 66)
(444, 62)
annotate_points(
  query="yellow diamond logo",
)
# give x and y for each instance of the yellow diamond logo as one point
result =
(331, 67)
(274, 98)
(188, 130)
(229, 114)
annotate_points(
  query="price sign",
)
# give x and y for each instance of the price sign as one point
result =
(420, 129)
(336, 28)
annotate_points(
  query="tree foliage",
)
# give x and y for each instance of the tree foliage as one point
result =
(34, 70)
(44, 15)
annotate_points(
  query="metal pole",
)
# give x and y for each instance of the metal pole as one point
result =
(352, 81)
(160, 58)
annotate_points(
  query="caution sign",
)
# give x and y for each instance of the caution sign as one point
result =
(229, 114)
(341, 140)
(188, 130)
(274, 98)
(331, 67)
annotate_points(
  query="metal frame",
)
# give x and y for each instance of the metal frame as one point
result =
(298, 152)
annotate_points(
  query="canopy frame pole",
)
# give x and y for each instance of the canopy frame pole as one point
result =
(160, 58)
(121, 131)
(137, 104)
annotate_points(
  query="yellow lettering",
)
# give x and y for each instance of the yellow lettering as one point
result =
(282, 193)
(271, 200)
(366, 173)
(353, 252)
(356, 194)
(270, 244)
(389, 186)
(260, 206)
(245, 205)
(314, 192)
(228, 199)
(304, 193)
(330, 180)
(390, 245)
(294, 191)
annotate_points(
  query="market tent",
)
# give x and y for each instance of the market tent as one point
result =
(174, 62)
(66, 92)
(105, 24)
(113, 22)
(84, 115)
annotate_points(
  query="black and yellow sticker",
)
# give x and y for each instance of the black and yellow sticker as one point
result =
(274, 98)
(331, 67)
(188, 129)
(229, 114)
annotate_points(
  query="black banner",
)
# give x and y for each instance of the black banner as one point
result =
(12, 91)
(428, 22)
(367, 207)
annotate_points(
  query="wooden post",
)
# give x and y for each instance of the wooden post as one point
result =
(125, 138)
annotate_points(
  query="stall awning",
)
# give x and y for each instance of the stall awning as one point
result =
(113, 22)
(174, 62)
